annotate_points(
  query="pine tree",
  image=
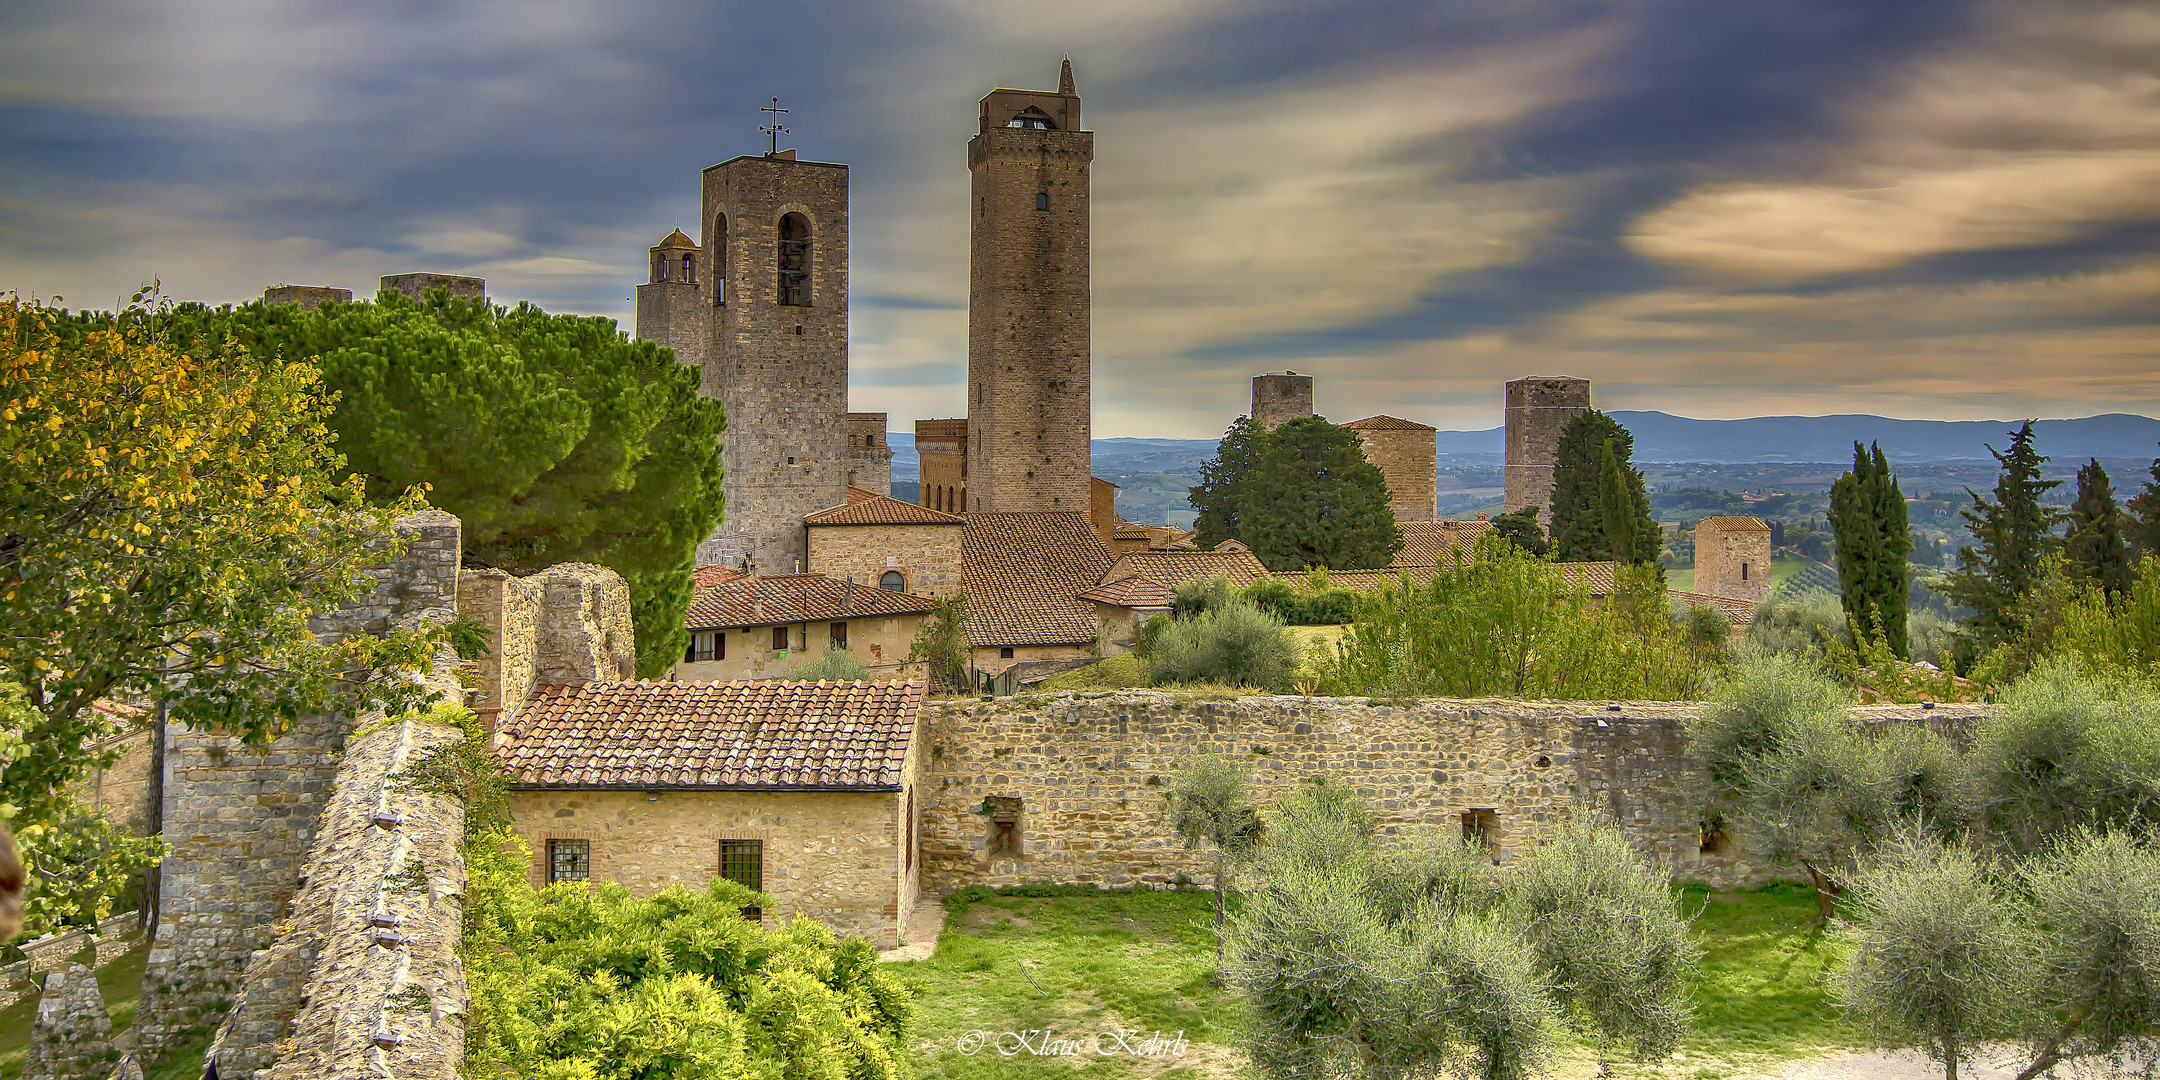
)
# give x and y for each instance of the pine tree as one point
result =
(2014, 532)
(2142, 529)
(2094, 539)
(1312, 499)
(1578, 512)
(1874, 536)
(1222, 480)
(1521, 529)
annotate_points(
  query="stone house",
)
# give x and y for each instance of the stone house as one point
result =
(1023, 574)
(1732, 558)
(879, 540)
(1406, 453)
(804, 791)
(753, 626)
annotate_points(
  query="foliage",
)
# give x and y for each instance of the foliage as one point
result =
(834, 665)
(553, 438)
(2093, 540)
(1935, 949)
(1508, 623)
(1198, 596)
(942, 642)
(2066, 750)
(175, 515)
(1578, 505)
(2013, 533)
(1407, 961)
(1220, 496)
(1312, 499)
(1872, 668)
(1209, 804)
(2117, 634)
(1707, 627)
(1799, 622)
(1236, 644)
(1874, 536)
(1311, 604)
(2142, 529)
(2096, 977)
(1632, 536)
(465, 772)
(1522, 529)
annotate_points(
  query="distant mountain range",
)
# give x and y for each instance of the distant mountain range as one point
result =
(1663, 437)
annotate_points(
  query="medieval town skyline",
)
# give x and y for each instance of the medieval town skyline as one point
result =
(1939, 210)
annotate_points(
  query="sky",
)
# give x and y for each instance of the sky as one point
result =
(1922, 208)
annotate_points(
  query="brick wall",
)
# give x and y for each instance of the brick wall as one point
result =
(1280, 397)
(927, 556)
(941, 450)
(1537, 408)
(1408, 457)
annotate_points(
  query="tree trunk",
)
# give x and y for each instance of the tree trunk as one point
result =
(1950, 1059)
(1826, 894)
(1219, 860)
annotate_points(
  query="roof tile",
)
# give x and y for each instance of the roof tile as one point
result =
(1023, 574)
(747, 600)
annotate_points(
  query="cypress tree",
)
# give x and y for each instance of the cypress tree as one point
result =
(1632, 536)
(1312, 499)
(1222, 481)
(1578, 509)
(1873, 538)
(2094, 540)
(1521, 529)
(2143, 527)
(2014, 532)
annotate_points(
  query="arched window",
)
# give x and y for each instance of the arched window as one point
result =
(719, 267)
(1031, 118)
(689, 268)
(795, 260)
(1042, 200)
(892, 582)
(665, 266)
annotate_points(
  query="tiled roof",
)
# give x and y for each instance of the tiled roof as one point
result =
(709, 576)
(676, 239)
(1231, 544)
(1023, 575)
(1174, 568)
(1741, 612)
(1135, 591)
(1361, 580)
(1388, 423)
(1597, 577)
(865, 507)
(1734, 524)
(793, 598)
(1431, 543)
(818, 736)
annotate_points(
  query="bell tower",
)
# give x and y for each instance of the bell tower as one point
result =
(1028, 302)
(670, 310)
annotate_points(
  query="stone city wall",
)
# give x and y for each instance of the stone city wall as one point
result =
(1089, 772)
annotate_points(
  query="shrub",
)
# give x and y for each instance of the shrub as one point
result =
(2064, 750)
(1236, 644)
(1799, 623)
(836, 665)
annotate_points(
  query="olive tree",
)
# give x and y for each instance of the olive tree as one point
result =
(1209, 804)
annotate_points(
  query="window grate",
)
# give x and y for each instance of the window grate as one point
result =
(743, 862)
(569, 860)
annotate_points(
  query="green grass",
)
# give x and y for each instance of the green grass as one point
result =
(1146, 960)
(120, 983)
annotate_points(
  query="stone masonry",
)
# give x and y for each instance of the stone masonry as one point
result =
(307, 296)
(926, 556)
(941, 449)
(1537, 409)
(671, 307)
(777, 236)
(240, 821)
(417, 285)
(1407, 454)
(1279, 396)
(1029, 350)
(1088, 773)
(1732, 558)
(71, 1037)
(869, 452)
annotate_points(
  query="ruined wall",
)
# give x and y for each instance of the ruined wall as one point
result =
(1537, 409)
(1280, 396)
(1089, 772)
(509, 608)
(240, 821)
(582, 632)
(417, 285)
(307, 296)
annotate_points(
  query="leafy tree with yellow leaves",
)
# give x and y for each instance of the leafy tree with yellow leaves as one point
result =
(172, 519)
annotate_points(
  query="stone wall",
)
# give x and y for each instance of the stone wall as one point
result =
(1280, 396)
(417, 285)
(307, 296)
(71, 1036)
(582, 632)
(1732, 558)
(880, 644)
(240, 821)
(1407, 455)
(121, 791)
(1537, 409)
(1089, 772)
(671, 307)
(941, 454)
(363, 976)
(869, 452)
(509, 608)
(927, 556)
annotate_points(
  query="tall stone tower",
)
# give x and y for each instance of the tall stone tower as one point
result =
(776, 248)
(1732, 558)
(671, 307)
(1280, 396)
(1537, 408)
(941, 450)
(1028, 302)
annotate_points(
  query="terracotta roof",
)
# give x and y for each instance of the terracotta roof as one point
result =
(1734, 524)
(1597, 577)
(676, 239)
(1388, 423)
(793, 598)
(1430, 543)
(1741, 612)
(708, 576)
(1361, 580)
(1231, 544)
(756, 736)
(866, 507)
(1174, 568)
(1023, 574)
(1135, 591)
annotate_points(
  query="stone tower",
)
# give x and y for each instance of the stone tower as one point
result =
(941, 448)
(869, 452)
(1028, 302)
(776, 277)
(1537, 408)
(671, 308)
(1279, 396)
(1732, 558)
(1407, 454)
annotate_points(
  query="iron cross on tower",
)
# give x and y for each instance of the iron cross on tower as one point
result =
(774, 130)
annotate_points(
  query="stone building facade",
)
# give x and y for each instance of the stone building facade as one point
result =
(941, 446)
(1029, 351)
(1732, 558)
(1407, 454)
(776, 241)
(879, 540)
(749, 626)
(1279, 396)
(869, 452)
(417, 285)
(307, 296)
(671, 307)
(1537, 409)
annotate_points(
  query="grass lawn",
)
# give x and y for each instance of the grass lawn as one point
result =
(1781, 570)
(1079, 965)
(120, 983)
